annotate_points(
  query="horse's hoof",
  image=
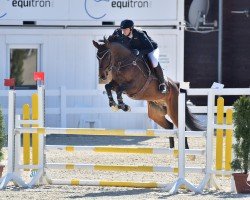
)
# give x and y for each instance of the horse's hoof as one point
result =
(124, 107)
(114, 108)
(121, 106)
(128, 109)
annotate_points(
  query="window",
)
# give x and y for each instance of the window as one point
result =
(24, 62)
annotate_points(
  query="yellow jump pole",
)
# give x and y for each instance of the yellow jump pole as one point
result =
(219, 134)
(26, 137)
(229, 138)
(35, 137)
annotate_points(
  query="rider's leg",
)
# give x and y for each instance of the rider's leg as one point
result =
(160, 76)
(154, 58)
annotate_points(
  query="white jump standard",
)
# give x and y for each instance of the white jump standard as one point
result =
(41, 177)
(18, 126)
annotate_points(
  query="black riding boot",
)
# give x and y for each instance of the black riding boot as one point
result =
(159, 74)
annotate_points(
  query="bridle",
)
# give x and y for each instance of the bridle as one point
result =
(102, 56)
(121, 63)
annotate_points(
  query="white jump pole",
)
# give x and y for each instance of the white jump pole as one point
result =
(209, 180)
(181, 145)
(12, 173)
(40, 176)
(11, 127)
(14, 139)
(39, 172)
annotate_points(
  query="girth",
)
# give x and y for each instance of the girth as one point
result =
(138, 95)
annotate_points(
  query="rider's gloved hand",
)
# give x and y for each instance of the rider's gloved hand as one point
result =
(135, 52)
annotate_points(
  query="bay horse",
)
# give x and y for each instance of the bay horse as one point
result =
(132, 76)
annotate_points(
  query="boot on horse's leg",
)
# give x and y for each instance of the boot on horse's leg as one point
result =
(112, 103)
(160, 76)
(121, 104)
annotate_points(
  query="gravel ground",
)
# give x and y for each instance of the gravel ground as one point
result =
(90, 192)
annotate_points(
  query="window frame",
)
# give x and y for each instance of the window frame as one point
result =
(38, 64)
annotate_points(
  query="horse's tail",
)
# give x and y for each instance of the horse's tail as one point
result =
(191, 121)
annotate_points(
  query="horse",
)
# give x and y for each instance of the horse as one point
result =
(133, 77)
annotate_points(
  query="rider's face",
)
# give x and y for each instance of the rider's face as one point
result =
(126, 31)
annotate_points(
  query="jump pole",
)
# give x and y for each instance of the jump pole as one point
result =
(39, 177)
(42, 177)
(12, 174)
(181, 145)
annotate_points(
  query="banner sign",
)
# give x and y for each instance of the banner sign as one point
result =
(89, 10)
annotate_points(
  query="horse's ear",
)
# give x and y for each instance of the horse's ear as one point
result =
(96, 44)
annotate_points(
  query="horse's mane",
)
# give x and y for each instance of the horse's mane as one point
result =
(117, 42)
(113, 38)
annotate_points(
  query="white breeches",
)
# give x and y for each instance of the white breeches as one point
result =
(154, 57)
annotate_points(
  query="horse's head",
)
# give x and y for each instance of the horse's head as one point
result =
(104, 57)
(109, 53)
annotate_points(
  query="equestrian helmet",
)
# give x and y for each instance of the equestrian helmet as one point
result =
(127, 23)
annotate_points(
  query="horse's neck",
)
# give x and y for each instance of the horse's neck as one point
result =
(119, 52)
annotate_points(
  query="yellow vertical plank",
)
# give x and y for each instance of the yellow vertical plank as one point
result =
(35, 137)
(219, 134)
(26, 137)
(229, 138)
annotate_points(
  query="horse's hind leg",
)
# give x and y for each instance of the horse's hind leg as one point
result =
(157, 114)
(172, 108)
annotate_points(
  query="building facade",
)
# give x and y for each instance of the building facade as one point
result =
(55, 36)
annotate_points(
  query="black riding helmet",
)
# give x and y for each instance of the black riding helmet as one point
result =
(127, 23)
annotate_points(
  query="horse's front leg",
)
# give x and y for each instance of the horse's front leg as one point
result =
(121, 104)
(111, 86)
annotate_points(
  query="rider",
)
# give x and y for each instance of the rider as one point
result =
(141, 43)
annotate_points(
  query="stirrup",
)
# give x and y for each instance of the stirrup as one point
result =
(163, 88)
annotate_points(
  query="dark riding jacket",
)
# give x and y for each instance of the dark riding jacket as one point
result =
(140, 41)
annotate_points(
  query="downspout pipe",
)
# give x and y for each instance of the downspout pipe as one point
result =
(220, 41)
